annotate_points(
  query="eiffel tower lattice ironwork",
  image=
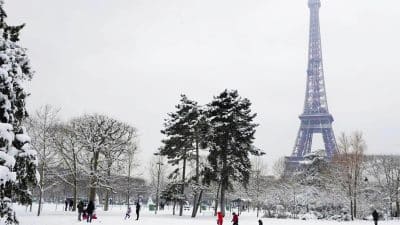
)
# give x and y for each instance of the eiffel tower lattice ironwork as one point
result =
(316, 117)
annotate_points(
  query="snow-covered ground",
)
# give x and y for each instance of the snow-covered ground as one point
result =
(53, 215)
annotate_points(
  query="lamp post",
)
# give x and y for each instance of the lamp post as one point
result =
(159, 164)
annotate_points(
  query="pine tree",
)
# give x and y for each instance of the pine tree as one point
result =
(231, 140)
(171, 193)
(184, 132)
(18, 161)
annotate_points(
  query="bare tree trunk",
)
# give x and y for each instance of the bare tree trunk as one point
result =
(355, 195)
(75, 181)
(92, 190)
(93, 177)
(217, 199)
(197, 197)
(183, 185)
(224, 183)
(222, 197)
(198, 204)
(75, 194)
(107, 200)
(173, 209)
(397, 194)
(41, 189)
(195, 203)
(40, 201)
(129, 180)
(158, 186)
(351, 209)
(355, 205)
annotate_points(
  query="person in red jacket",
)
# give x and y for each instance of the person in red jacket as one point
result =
(220, 218)
(235, 219)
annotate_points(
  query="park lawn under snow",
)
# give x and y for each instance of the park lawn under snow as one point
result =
(53, 216)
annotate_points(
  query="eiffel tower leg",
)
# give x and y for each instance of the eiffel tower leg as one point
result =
(303, 142)
(299, 144)
(330, 142)
(309, 142)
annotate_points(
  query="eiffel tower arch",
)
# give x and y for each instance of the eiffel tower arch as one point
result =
(315, 117)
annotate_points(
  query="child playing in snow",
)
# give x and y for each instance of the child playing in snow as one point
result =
(235, 219)
(128, 212)
(220, 218)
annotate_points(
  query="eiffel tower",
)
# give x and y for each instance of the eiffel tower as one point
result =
(316, 117)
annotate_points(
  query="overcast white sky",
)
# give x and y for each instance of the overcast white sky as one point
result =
(131, 59)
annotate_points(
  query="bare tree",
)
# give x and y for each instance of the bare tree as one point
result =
(104, 140)
(386, 171)
(258, 183)
(120, 142)
(279, 168)
(350, 159)
(41, 128)
(129, 166)
(69, 150)
(158, 177)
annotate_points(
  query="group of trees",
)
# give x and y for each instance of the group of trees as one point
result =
(90, 147)
(384, 173)
(349, 186)
(225, 129)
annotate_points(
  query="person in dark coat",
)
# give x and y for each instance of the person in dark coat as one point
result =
(71, 205)
(137, 210)
(66, 204)
(260, 222)
(375, 215)
(90, 209)
(80, 210)
(235, 219)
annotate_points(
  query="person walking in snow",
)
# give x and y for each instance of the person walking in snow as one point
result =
(80, 210)
(220, 218)
(235, 219)
(128, 212)
(260, 222)
(71, 204)
(137, 210)
(375, 216)
(66, 204)
(90, 209)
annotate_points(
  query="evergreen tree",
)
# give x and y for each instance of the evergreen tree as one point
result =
(184, 130)
(171, 193)
(231, 140)
(17, 159)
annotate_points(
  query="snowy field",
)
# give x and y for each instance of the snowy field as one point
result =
(53, 215)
